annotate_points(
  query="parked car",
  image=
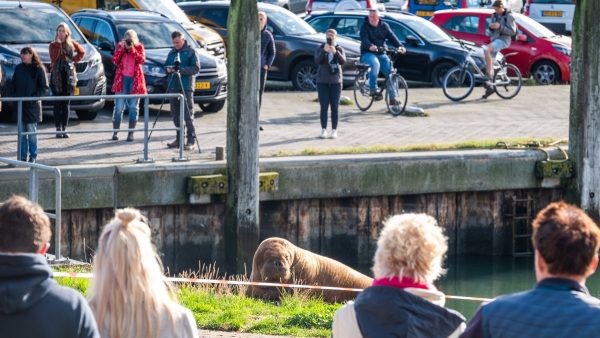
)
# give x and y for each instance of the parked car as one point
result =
(557, 15)
(106, 28)
(540, 53)
(339, 5)
(34, 24)
(206, 37)
(295, 42)
(430, 52)
(294, 6)
(425, 8)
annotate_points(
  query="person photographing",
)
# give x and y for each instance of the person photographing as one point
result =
(330, 57)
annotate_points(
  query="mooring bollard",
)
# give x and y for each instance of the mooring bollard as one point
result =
(219, 153)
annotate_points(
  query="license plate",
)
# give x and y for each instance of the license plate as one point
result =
(553, 13)
(424, 13)
(76, 91)
(202, 85)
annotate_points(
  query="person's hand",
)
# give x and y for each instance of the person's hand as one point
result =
(373, 48)
(169, 69)
(56, 39)
(401, 50)
(266, 67)
(495, 25)
(123, 44)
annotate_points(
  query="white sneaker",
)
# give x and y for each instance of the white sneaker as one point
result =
(333, 133)
(323, 133)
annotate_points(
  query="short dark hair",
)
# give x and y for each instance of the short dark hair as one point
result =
(176, 34)
(24, 227)
(566, 238)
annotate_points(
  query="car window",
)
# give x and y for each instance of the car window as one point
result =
(400, 31)
(102, 33)
(463, 23)
(152, 34)
(322, 24)
(86, 25)
(16, 25)
(288, 23)
(534, 27)
(427, 30)
(349, 27)
(215, 17)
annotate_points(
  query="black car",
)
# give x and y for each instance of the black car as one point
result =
(105, 28)
(295, 41)
(34, 25)
(430, 52)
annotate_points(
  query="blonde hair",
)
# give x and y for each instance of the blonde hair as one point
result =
(410, 245)
(133, 35)
(68, 41)
(129, 290)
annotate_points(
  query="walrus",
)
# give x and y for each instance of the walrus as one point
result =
(277, 260)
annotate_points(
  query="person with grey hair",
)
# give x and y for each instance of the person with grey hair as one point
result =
(502, 28)
(403, 302)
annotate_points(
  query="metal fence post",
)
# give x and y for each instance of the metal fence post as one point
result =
(19, 129)
(33, 184)
(58, 211)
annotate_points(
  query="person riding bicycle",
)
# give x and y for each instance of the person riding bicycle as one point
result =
(502, 29)
(373, 35)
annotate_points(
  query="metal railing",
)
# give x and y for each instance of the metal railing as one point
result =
(34, 196)
(145, 97)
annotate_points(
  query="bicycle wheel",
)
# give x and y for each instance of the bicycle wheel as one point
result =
(507, 81)
(362, 94)
(398, 82)
(458, 83)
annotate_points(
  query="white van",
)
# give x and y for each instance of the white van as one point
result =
(339, 5)
(554, 14)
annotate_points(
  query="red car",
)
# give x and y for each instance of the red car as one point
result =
(540, 53)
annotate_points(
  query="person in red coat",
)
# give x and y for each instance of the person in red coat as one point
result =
(129, 79)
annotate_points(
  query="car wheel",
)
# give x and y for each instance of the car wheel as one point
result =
(546, 72)
(304, 76)
(212, 107)
(86, 115)
(439, 72)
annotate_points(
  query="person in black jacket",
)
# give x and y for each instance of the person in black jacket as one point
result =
(330, 58)
(29, 80)
(32, 304)
(267, 54)
(373, 36)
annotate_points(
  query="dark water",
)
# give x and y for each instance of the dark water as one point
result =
(489, 277)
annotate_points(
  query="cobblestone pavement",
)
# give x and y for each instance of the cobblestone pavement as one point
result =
(291, 123)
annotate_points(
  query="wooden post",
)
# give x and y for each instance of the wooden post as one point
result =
(241, 208)
(584, 121)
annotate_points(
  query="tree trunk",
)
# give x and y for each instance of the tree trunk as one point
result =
(241, 214)
(584, 126)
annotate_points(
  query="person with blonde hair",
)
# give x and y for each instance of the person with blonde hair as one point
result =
(129, 58)
(64, 54)
(403, 302)
(130, 295)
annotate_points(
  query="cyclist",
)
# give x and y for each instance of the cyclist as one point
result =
(373, 35)
(502, 29)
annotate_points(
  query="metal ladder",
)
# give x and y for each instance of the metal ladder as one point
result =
(521, 216)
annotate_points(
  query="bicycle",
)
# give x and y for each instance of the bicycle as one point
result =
(460, 80)
(362, 92)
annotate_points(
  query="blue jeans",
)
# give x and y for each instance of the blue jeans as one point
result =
(132, 104)
(377, 62)
(29, 141)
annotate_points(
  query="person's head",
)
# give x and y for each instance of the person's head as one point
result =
(125, 253)
(373, 16)
(178, 39)
(24, 227)
(130, 34)
(410, 245)
(29, 55)
(331, 34)
(566, 242)
(63, 32)
(262, 20)
(498, 6)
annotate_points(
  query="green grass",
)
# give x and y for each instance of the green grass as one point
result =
(227, 309)
(474, 144)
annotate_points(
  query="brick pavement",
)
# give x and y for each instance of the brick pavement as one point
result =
(291, 122)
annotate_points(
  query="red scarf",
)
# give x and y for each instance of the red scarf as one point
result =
(400, 282)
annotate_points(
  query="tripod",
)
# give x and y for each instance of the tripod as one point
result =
(176, 74)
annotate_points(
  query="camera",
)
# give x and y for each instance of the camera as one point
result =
(329, 41)
(129, 42)
(176, 62)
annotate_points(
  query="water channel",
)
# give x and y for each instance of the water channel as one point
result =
(489, 277)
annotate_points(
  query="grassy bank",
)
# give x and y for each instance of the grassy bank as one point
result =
(225, 308)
